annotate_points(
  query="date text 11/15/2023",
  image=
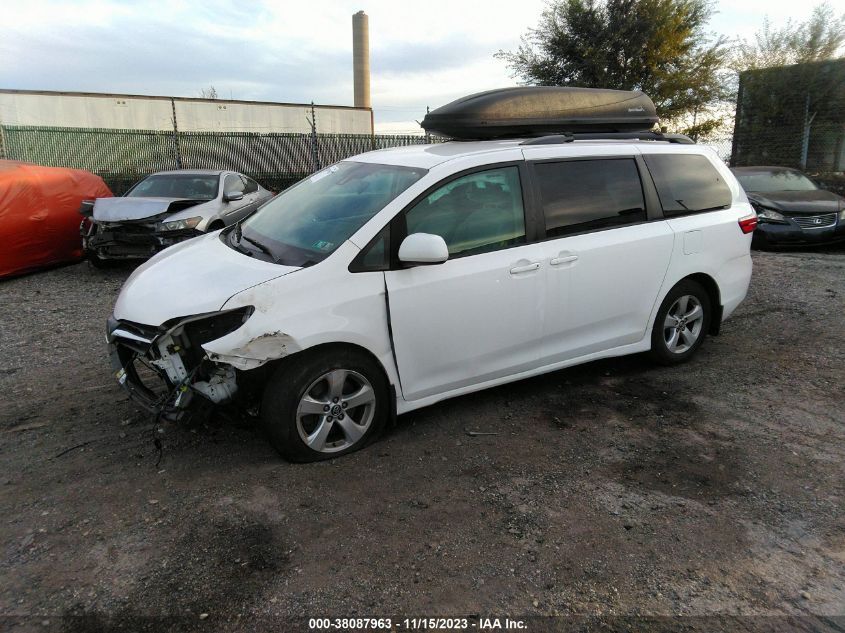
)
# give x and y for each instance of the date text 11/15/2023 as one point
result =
(417, 624)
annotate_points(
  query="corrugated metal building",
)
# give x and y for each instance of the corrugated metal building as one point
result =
(136, 112)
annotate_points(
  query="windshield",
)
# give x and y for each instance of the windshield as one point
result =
(306, 223)
(193, 186)
(775, 181)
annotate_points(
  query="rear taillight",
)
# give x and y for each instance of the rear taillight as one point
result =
(748, 223)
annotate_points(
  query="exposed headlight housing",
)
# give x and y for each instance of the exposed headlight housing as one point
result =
(770, 215)
(842, 215)
(180, 225)
(217, 325)
(188, 335)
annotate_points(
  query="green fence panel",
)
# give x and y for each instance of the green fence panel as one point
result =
(122, 157)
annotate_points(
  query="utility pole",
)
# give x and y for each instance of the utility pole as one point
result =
(176, 151)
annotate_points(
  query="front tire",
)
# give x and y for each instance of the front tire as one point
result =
(98, 262)
(681, 323)
(324, 405)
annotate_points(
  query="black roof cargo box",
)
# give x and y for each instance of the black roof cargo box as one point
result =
(541, 110)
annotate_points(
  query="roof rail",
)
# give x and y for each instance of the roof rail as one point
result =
(554, 139)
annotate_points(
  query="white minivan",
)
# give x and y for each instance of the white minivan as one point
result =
(401, 277)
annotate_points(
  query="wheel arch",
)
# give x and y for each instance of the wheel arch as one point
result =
(271, 366)
(715, 295)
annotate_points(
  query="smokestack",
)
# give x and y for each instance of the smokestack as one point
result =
(361, 59)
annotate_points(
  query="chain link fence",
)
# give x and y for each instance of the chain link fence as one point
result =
(722, 145)
(122, 157)
(792, 116)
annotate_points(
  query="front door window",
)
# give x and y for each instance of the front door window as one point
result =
(477, 213)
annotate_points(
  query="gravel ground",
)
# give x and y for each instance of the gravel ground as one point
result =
(612, 489)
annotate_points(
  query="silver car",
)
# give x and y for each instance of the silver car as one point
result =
(165, 208)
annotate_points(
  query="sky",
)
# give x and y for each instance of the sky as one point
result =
(421, 54)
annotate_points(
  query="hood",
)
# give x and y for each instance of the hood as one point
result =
(811, 202)
(193, 277)
(128, 209)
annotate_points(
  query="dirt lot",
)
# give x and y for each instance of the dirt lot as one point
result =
(616, 488)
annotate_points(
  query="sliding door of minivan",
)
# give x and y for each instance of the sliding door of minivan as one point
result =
(606, 257)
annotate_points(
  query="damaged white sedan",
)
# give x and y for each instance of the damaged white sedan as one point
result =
(166, 208)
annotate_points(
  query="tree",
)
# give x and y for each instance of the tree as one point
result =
(817, 39)
(657, 46)
(208, 93)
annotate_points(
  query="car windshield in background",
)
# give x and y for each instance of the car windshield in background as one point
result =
(764, 182)
(194, 187)
(306, 223)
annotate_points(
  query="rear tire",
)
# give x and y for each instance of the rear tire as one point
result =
(324, 405)
(681, 324)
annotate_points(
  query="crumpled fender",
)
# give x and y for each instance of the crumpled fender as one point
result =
(129, 209)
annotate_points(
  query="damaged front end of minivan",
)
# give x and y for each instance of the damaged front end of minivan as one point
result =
(166, 369)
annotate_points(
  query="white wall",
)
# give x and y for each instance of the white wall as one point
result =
(145, 113)
(254, 117)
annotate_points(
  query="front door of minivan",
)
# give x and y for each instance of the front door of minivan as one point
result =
(478, 316)
(606, 260)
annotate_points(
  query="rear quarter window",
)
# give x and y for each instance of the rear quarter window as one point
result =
(589, 195)
(687, 183)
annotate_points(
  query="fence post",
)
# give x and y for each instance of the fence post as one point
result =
(805, 135)
(737, 116)
(2, 141)
(177, 154)
(315, 152)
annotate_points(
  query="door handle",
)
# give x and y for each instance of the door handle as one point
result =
(527, 268)
(557, 261)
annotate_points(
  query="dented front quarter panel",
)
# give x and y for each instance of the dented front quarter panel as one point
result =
(252, 352)
(321, 304)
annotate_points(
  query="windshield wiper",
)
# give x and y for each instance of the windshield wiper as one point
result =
(233, 240)
(238, 235)
(258, 245)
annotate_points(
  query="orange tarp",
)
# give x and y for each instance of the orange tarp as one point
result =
(39, 214)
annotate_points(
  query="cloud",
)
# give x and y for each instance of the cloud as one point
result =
(294, 52)
(156, 56)
(405, 58)
(421, 54)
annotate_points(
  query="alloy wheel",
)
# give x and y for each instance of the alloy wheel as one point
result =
(335, 411)
(683, 324)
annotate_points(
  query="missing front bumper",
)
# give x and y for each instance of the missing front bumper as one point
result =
(132, 241)
(163, 369)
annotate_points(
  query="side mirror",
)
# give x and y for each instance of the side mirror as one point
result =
(423, 248)
(230, 196)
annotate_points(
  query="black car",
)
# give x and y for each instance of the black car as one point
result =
(791, 209)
